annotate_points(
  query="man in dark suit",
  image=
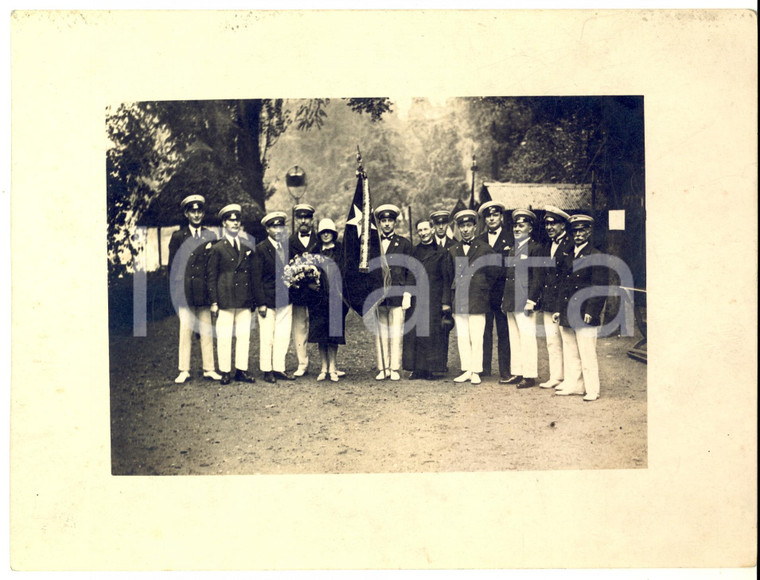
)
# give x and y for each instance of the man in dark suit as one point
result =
(390, 311)
(579, 319)
(522, 289)
(272, 299)
(501, 240)
(230, 286)
(560, 249)
(440, 220)
(188, 254)
(473, 279)
(303, 240)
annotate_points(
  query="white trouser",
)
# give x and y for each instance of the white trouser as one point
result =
(553, 347)
(581, 366)
(523, 346)
(470, 329)
(240, 319)
(388, 337)
(300, 334)
(274, 337)
(191, 318)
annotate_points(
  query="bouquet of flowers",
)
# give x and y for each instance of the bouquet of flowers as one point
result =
(303, 271)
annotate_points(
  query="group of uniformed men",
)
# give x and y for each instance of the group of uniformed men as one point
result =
(480, 281)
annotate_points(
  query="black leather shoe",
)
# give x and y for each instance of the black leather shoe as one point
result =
(226, 380)
(243, 377)
(414, 376)
(510, 380)
(282, 376)
(269, 377)
(526, 383)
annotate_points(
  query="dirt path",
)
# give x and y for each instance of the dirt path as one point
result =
(360, 425)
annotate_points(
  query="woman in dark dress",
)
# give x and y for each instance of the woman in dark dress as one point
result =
(329, 301)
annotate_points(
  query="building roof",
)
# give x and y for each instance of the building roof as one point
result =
(566, 196)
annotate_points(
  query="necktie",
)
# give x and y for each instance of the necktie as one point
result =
(237, 246)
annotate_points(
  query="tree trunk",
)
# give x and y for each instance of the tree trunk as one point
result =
(249, 154)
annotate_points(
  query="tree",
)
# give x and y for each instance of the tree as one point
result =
(494, 127)
(140, 160)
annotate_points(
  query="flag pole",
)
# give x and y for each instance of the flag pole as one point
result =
(474, 170)
(366, 213)
(364, 250)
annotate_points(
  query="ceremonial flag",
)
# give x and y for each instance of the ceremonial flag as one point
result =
(483, 196)
(459, 206)
(359, 284)
(474, 202)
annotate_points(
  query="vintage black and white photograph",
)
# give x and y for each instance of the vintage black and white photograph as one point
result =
(383, 290)
(369, 285)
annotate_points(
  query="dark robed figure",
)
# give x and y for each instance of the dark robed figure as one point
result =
(425, 352)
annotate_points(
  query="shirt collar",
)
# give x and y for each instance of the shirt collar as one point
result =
(497, 233)
(578, 249)
(559, 238)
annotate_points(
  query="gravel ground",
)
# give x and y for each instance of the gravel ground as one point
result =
(359, 425)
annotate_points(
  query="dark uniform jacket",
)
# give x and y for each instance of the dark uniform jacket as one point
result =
(522, 285)
(478, 299)
(269, 290)
(301, 297)
(399, 273)
(503, 244)
(195, 253)
(446, 244)
(297, 248)
(230, 276)
(579, 279)
(563, 263)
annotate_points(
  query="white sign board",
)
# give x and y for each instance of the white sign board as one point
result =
(617, 219)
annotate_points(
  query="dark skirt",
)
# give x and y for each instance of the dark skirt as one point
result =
(319, 323)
